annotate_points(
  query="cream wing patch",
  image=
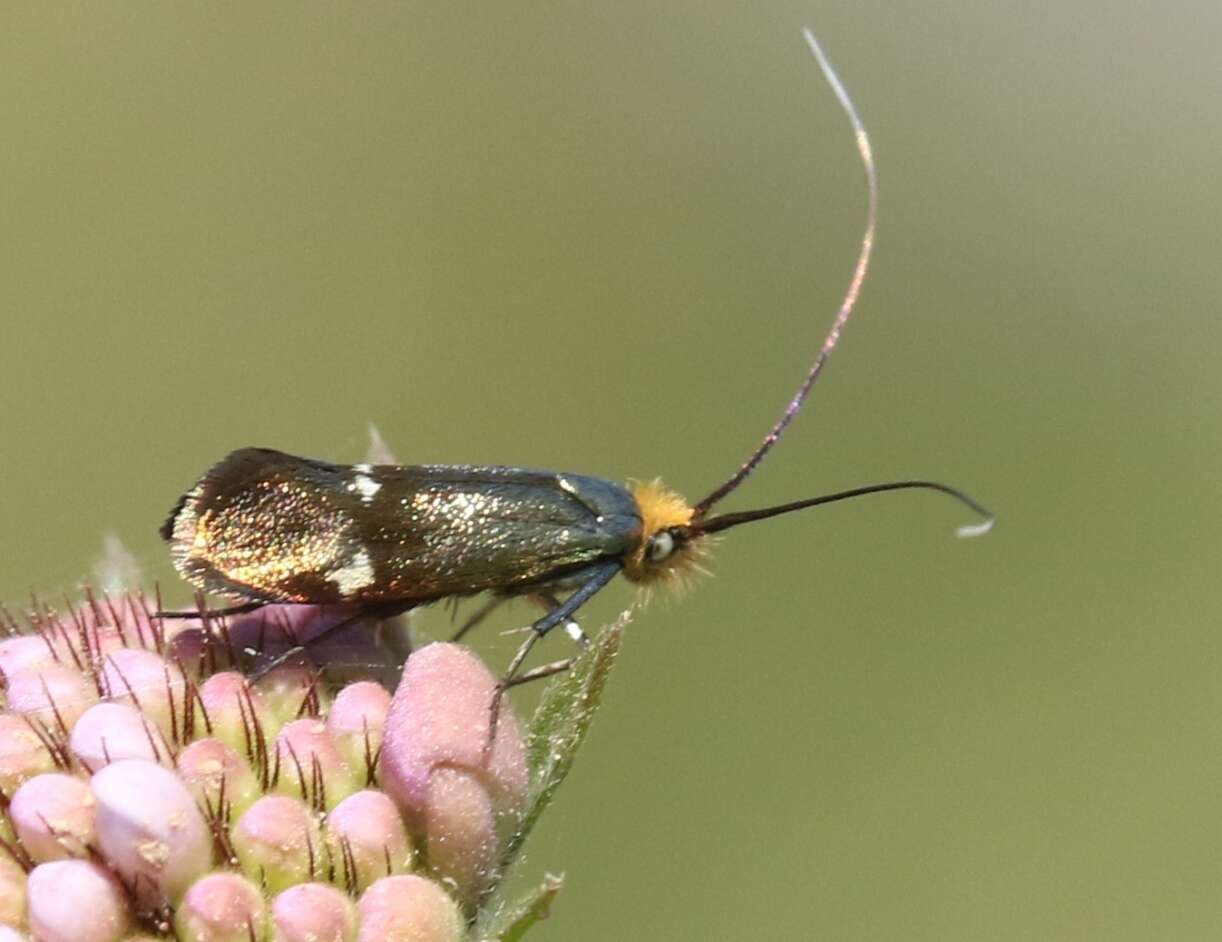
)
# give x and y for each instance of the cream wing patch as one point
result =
(355, 575)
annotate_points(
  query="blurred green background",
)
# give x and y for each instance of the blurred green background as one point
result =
(608, 238)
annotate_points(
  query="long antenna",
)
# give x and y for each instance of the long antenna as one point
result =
(850, 297)
(725, 521)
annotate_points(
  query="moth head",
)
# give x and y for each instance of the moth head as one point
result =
(668, 549)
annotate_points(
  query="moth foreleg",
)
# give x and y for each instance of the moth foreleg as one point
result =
(243, 609)
(598, 576)
(549, 601)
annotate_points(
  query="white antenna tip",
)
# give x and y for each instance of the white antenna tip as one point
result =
(970, 530)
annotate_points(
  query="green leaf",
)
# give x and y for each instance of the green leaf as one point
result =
(556, 731)
(533, 908)
(562, 720)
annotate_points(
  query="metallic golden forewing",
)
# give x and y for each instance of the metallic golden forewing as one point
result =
(262, 525)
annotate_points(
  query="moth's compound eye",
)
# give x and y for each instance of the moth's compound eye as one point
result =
(660, 546)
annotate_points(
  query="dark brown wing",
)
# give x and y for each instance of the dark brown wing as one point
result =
(263, 525)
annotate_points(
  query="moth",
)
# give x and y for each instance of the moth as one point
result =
(263, 527)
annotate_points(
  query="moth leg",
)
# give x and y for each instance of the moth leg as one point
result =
(289, 653)
(549, 601)
(543, 670)
(243, 609)
(600, 575)
(479, 615)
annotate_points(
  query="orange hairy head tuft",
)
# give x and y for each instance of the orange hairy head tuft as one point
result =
(661, 509)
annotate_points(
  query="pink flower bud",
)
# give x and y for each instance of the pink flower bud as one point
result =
(76, 901)
(214, 773)
(313, 912)
(289, 692)
(436, 763)
(89, 632)
(150, 829)
(408, 909)
(309, 766)
(148, 681)
(25, 652)
(12, 892)
(367, 839)
(53, 817)
(221, 907)
(128, 617)
(440, 715)
(355, 723)
(53, 693)
(460, 832)
(99, 642)
(236, 712)
(181, 760)
(108, 732)
(278, 839)
(23, 754)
